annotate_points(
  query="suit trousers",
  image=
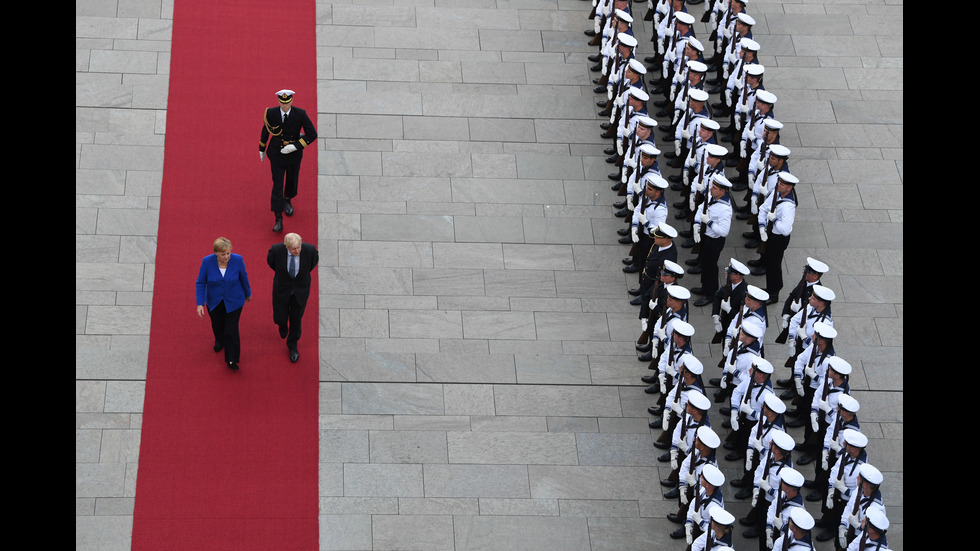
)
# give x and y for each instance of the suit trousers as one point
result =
(285, 184)
(224, 325)
(294, 321)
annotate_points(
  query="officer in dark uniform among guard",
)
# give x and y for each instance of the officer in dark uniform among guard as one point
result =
(286, 132)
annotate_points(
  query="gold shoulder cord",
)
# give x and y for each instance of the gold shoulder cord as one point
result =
(269, 128)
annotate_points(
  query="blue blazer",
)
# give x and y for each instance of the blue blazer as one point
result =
(232, 288)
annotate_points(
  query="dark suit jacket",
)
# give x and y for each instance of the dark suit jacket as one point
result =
(298, 131)
(284, 286)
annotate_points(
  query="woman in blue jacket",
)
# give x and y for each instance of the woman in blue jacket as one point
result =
(222, 285)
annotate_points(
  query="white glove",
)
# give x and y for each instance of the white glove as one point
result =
(704, 217)
(755, 496)
(643, 218)
(661, 332)
(644, 323)
(745, 408)
(824, 406)
(653, 350)
(726, 348)
(799, 386)
(764, 485)
(842, 537)
(690, 200)
(830, 500)
(261, 156)
(763, 190)
(288, 149)
(697, 233)
(748, 460)
(663, 387)
(734, 420)
(834, 445)
(677, 147)
(810, 372)
(688, 534)
(794, 306)
(726, 306)
(686, 134)
(763, 235)
(676, 408)
(753, 206)
(724, 382)
(791, 348)
(813, 421)
(768, 539)
(673, 459)
(636, 235)
(771, 216)
(786, 324)
(854, 521)
(717, 321)
(823, 460)
(754, 445)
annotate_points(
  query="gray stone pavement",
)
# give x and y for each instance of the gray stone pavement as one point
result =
(478, 385)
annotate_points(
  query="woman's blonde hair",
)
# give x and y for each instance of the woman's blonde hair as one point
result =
(222, 244)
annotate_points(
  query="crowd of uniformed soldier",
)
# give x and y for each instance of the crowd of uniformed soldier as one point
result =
(664, 100)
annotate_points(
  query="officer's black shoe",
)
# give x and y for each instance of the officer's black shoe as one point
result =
(605, 113)
(649, 379)
(619, 204)
(751, 533)
(635, 292)
(825, 536)
(752, 244)
(744, 493)
(631, 270)
(664, 457)
(678, 534)
(672, 494)
(675, 518)
(597, 57)
(636, 302)
(652, 389)
(278, 226)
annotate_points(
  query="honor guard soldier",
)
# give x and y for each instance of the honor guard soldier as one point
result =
(712, 223)
(800, 329)
(707, 130)
(684, 126)
(729, 299)
(760, 158)
(662, 251)
(760, 436)
(686, 375)
(796, 533)
(719, 531)
(762, 186)
(708, 496)
(753, 309)
(690, 406)
(737, 362)
(697, 190)
(746, 405)
(639, 158)
(654, 302)
(776, 217)
(765, 101)
(810, 368)
(843, 477)
(703, 452)
(813, 270)
(672, 326)
(286, 131)
(780, 509)
(866, 497)
(872, 538)
(766, 482)
(650, 212)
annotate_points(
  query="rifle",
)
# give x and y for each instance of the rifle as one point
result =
(733, 344)
(799, 342)
(725, 296)
(696, 249)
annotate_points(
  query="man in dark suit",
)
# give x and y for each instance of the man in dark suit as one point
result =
(286, 131)
(292, 261)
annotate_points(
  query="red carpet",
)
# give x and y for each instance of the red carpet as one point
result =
(228, 460)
